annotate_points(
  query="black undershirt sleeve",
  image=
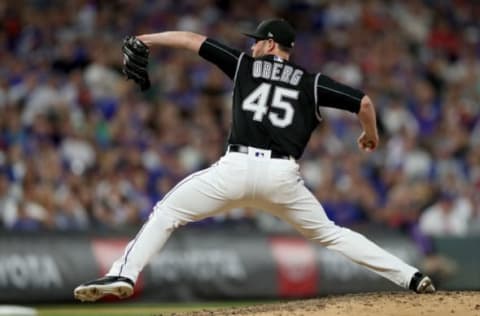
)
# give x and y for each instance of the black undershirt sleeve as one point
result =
(330, 93)
(226, 58)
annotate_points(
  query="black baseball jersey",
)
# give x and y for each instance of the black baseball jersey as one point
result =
(276, 103)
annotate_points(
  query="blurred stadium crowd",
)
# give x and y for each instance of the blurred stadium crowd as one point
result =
(82, 148)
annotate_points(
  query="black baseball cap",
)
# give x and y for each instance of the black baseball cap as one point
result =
(277, 29)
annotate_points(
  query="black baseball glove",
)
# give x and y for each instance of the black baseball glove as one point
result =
(135, 61)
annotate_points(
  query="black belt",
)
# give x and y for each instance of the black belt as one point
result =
(244, 150)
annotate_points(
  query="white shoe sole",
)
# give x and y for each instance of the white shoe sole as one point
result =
(426, 286)
(93, 292)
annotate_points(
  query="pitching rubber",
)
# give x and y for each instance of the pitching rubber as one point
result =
(13, 310)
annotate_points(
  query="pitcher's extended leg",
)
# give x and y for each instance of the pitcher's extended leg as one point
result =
(193, 199)
(203, 194)
(308, 217)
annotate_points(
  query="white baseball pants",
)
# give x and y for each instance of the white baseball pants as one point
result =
(245, 180)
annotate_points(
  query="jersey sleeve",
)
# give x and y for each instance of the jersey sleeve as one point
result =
(226, 58)
(330, 93)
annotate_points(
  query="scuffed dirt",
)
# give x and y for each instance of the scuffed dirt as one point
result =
(377, 304)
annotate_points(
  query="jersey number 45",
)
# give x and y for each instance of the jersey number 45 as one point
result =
(256, 102)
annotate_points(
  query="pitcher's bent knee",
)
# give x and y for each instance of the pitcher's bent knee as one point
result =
(324, 234)
(166, 218)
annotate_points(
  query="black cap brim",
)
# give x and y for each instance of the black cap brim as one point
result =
(255, 36)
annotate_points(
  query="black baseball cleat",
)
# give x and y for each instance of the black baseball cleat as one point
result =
(91, 291)
(421, 284)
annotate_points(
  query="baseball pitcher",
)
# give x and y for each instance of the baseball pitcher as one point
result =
(276, 106)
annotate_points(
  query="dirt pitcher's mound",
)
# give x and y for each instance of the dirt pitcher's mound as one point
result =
(369, 304)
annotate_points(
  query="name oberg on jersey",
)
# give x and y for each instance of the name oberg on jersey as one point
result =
(276, 71)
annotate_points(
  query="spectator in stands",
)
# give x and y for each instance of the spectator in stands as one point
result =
(8, 202)
(68, 116)
(449, 216)
(474, 223)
